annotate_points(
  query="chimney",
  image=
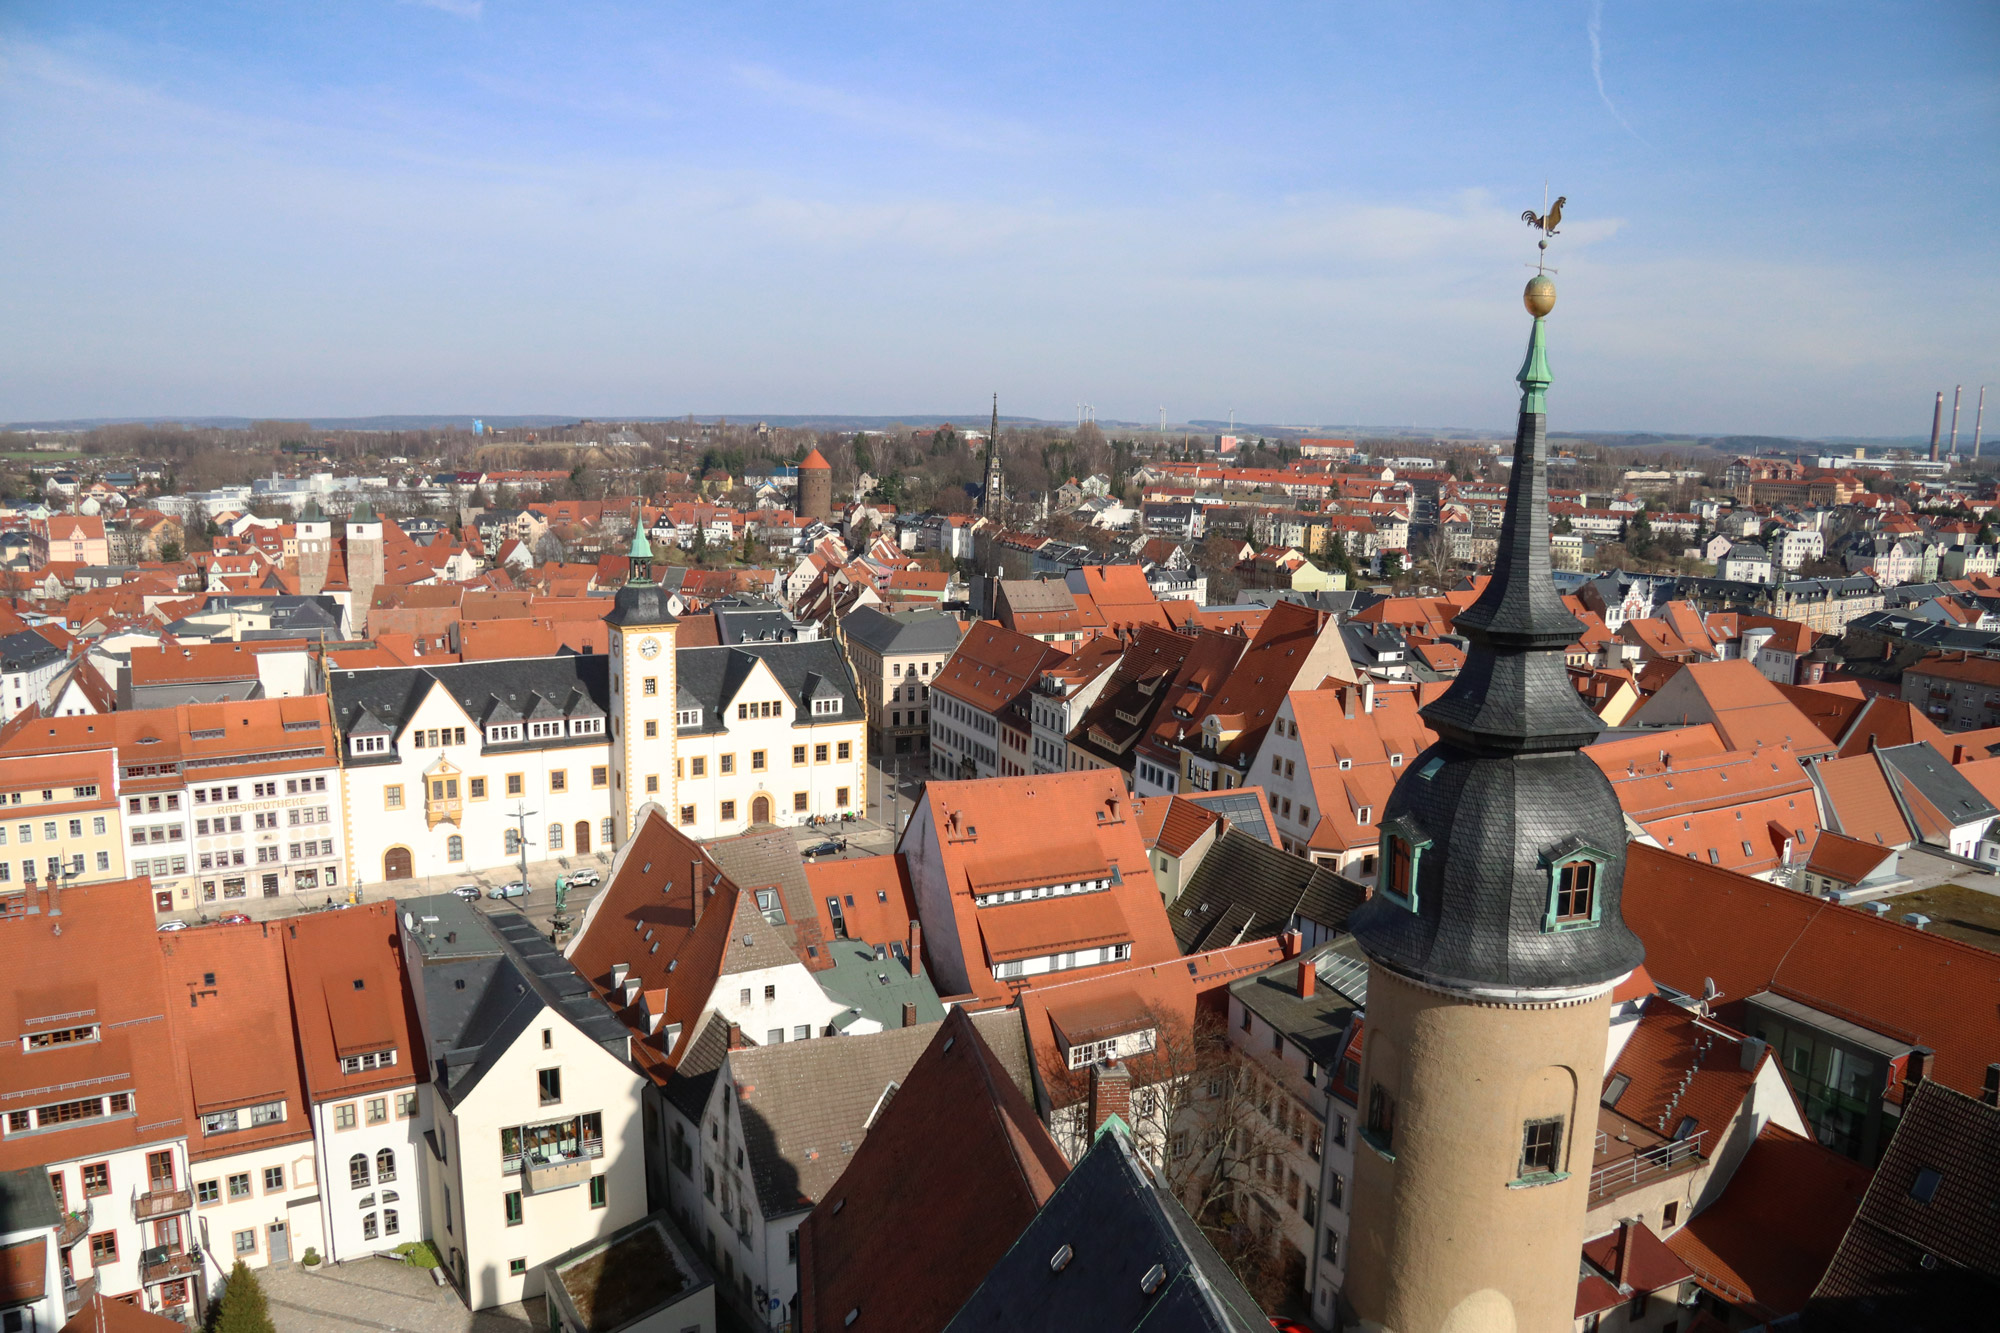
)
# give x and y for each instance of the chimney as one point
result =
(735, 1036)
(1625, 1230)
(1937, 421)
(909, 1014)
(1916, 1068)
(916, 960)
(1368, 696)
(1752, 1050)
(1110, 1093)
(618, 971)
(1957, 755)
(1990, 1094)
(700, 889)
(1291, 943)
(1347, 701)
(1308, 978)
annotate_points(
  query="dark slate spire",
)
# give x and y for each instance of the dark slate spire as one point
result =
(641, 601)
(1482, 823)
(1514, 694)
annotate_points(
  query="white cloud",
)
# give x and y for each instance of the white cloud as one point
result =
(464, 9)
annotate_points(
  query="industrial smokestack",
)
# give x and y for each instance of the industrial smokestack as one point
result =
(1978, 420)
(1958, 391)
(1937, 423)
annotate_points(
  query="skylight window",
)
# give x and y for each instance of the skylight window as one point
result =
(1924, 1188)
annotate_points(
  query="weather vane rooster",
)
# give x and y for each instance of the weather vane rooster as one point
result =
(1546, 223)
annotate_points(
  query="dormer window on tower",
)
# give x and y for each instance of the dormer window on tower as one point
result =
(1402, 854)
(1575, 869)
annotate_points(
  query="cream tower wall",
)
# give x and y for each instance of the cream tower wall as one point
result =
(640, 653)
(1447, 1238)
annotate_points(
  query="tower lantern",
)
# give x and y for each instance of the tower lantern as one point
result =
(1494, 940)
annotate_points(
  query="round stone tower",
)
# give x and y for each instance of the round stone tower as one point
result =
(816, 487)
(1494, 939)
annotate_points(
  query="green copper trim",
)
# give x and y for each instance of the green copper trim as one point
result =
(641, 548)
(1534, 376)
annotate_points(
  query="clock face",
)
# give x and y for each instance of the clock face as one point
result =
(649, 647)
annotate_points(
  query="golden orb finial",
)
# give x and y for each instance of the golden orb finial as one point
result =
(1540, 297)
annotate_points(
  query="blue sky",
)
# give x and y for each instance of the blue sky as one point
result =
(1783, 217)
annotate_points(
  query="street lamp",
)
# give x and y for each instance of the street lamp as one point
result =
(520, 817)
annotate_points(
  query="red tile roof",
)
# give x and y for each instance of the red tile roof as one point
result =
(1699, 921)
(1848, 860)
(103, 967)
(239, 1043)
(1679, 1066)
(876, 902)
(1771, 1235)
(350, 997)
(1652, 1266)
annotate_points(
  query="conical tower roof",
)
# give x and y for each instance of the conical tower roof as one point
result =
(815, 461)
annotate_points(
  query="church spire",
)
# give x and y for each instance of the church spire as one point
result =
(993, 490)
(1514, 694)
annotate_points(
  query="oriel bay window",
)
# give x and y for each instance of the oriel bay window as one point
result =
(574, 1139)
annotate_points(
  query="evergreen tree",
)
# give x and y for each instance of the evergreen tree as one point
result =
(241, 1309)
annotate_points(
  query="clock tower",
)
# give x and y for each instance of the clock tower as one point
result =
(644, 687)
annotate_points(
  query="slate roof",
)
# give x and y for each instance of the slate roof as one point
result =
(497, 691)
(1246, 889)
(25, 650)
(1317, 1025)
(27, 1201)
(486, 981)
(805, 671)
(919, 1217)
(805, 1105)
(1923, 1254)
(927, 632)
(1119, 1223)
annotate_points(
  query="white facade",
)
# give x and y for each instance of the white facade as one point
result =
(775, 764)
(132, 1201)
(526, 1176)
(260, 1206)
(371, 1197)
(257, 836)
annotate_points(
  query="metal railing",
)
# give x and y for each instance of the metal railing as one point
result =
(160, 1203)
(586, 1148)
(75, 1225)
(1644, 1165)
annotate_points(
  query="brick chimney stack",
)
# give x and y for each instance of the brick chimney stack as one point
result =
(1292, 943)
(1625, 1230)
(1308, 978)
(916, 947)
(736, 1037)
(909, 1014)
(1916, 1069)
(1110, 1093)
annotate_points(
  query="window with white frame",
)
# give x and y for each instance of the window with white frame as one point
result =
(506, 731)
(368, 745)
(826, 708)
(356, 1064)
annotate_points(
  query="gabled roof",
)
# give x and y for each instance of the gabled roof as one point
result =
(806, 1106)
(1747, 710)
(1777, 1224)
(1701, 921)
(920, 1216)
(1923, 1254)
(1848, 860)
(351, 996)
(1118, 1221)
(1246, 889)
(1678, 1067)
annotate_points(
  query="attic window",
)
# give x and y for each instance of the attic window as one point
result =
(1429, 771)
(1924, 1188)
(359, 984)
(1615, 1089)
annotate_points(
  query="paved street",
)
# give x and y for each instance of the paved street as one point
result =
(381, 1295)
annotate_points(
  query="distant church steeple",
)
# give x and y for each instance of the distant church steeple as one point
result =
(993, 493)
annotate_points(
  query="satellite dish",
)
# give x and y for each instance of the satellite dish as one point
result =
(1708, 990)
(409, 921)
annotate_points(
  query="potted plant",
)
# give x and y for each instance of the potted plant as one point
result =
(310, 1258)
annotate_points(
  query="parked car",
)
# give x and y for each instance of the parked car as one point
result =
(586, 879)
(825, 847)
(235, 919)
(172, 925)
(469, 892)
(515, 890)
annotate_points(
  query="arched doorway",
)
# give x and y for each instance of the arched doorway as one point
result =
(760, 810)
(396, 863)
(582, 836)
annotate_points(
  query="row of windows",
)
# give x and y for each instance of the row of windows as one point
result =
(725, 764)
(51, 830)
(376, 1109)
(56, 869)
(84, 793)
(725, 811)
(207, 1192)
(56, 1114)
(1573, 902)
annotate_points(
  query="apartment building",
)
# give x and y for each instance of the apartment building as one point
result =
(366, 1084)
(895, 655)
(536, 1109)
(218, 801)
(980, 722)
(251, 1164)
(1062, 696)
(92, 1092)
(29, 663)
(61, 822)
